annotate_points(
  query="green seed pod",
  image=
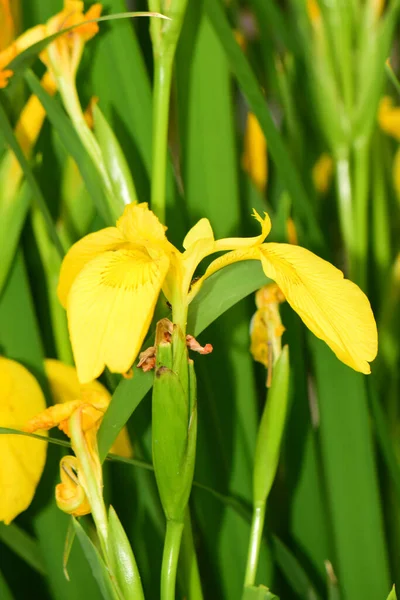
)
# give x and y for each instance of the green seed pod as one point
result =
(174, 424)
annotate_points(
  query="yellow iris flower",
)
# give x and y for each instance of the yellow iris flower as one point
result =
(255, 160)
(110, 281)
(64, 54)
(22, 458)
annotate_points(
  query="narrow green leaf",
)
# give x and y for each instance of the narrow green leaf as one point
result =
(257, 103)
(351, 479)
(73, 145)
(30, 178)
(5, 592)
(99, 569)
(24, 545)
(293, 571)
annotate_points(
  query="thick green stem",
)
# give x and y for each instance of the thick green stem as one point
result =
(189, 562)
(172, 546)
(257, 526)
(162, 91)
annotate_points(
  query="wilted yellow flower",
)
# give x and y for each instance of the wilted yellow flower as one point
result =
(22, 458)
(254, 159)
(69, 395)
(70, 495)
(64, 54)
(322, 173)
(389, 117)
(110, 281)
(266, 327)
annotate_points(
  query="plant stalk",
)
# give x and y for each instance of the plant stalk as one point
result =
(161, 100)
(172, 546)
(345, 196)
(257, 526)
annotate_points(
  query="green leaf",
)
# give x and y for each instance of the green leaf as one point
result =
(97, 565)
(5, 592)
(123, 560)
(30, 178)
(293, 570)
(219, 292)
(258, 105)
(73, 145)
(24, 545)
(350, 477)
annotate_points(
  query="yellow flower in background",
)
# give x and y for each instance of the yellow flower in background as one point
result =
(64, 54)
(9, 21)
(389, 117)
(266, 327)
(68, 394)
(22, 458)
(322, 173)
(254, 160)
(110, 281)
(313, 11)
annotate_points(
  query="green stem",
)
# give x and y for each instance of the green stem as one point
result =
(189, 562)
(172, 546)
(162, 91)
(257, 526)
(344, 190)
(380, 219)
(361, 184)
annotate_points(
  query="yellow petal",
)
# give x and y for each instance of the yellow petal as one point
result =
(254, 159)
(389, 117)
(140, 225)
(22, 458)
(322, 173)
(110, 307)
(236, 243)
(333, 308)
(65, 387)
(82, 252)
(201, 231)
(7, 23)
(70, 495)
(53, 416)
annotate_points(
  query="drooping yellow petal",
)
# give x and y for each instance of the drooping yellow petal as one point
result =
(333, 308)
(254, 159)
(139, 225)
(237, 243)
(7, 22)
(110, 307)
(70, 496)
(82, 252)
(22, 458)
(65, 387)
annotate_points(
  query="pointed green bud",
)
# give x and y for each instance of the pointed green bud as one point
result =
(271, 429)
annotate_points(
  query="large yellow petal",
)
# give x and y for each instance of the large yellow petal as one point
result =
(82, 252)
(333, 308)
(139, 225)
(201, 231)
(110, 307)
(65, 387)
(22, 458)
